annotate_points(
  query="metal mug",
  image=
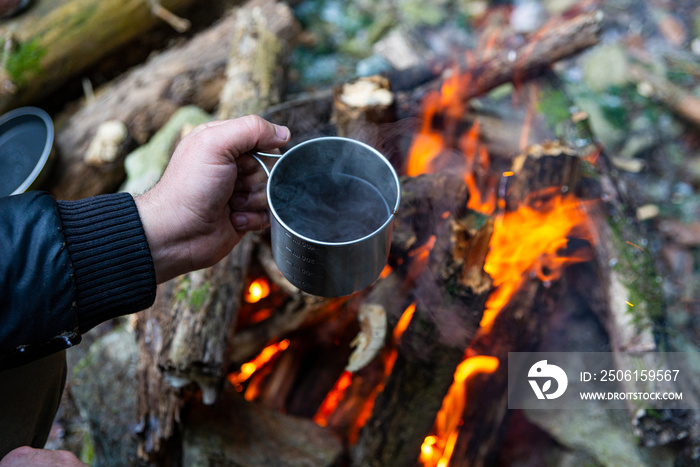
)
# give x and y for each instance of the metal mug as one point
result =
(351, 252)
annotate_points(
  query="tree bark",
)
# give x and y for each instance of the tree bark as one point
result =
(195, 316)
(143, 99)
(52, 42)
(264, 33)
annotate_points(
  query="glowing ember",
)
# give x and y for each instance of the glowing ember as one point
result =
(336, 394)
(385, 272)
(333, 398)
(249, 368)
(257, 290)
(437, 449)
(419, 258)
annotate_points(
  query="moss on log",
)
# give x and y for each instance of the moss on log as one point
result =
(52, 42)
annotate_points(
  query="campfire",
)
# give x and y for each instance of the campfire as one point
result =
(511, 227)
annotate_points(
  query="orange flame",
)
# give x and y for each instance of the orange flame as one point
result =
(257, 290)
(403, 322)
(529, 240)
(476, 157)
(419, 258)
(427, 143)
(437, 449)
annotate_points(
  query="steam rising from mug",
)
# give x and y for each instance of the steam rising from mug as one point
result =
(330, 207)
(333, 202)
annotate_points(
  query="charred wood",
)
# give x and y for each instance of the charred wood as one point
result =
(423, 205)
(392, 296)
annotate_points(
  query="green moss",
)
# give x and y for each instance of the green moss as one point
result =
(82, 363)
(637, 272)
(182, 289)
(195, 297)
(26, 59)
(554, 105)
(87, 451)
(199, 295)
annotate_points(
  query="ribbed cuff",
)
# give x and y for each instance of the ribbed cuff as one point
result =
(112, 264)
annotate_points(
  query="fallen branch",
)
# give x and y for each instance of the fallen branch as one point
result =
(55, 41)
(143, 99)
(558, 39)
(681, 102)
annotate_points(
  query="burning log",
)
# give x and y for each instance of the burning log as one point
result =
(517, 311)
(54, 41)
(450, 294)
(423, 205)
(518, 327)
(389, 298)
(558, 39)
(298, 312)
(544, 170)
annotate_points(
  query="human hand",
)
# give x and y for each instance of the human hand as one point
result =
(26, 456)
(209, 195)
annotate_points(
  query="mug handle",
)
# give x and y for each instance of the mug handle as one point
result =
(257, 155)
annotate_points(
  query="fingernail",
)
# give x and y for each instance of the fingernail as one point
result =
(282, 132)
(240, 221)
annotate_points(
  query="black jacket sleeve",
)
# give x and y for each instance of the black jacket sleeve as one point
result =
(65, 267)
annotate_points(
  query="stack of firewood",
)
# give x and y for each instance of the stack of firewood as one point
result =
(189, 341)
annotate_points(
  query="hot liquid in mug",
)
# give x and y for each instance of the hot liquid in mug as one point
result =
(332, 204)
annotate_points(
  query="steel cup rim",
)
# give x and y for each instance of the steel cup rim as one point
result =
(374, 151)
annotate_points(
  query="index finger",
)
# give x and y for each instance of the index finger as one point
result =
(244, 134)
